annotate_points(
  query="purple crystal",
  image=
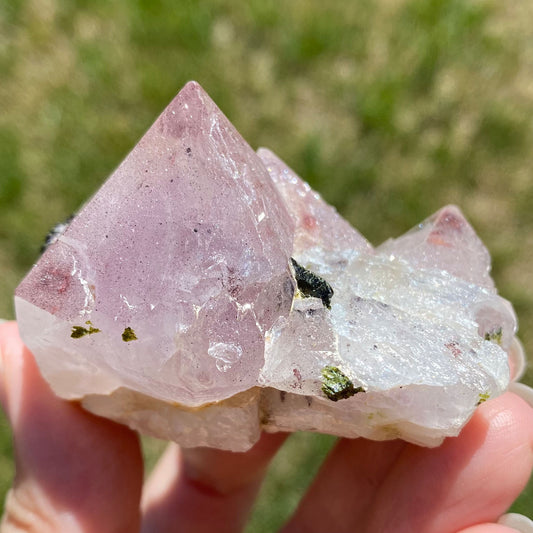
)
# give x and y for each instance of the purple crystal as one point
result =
(187, 243)
(185, 301)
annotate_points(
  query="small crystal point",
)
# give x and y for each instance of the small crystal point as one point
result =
(445, 241)
(207, 293)
(318, 225)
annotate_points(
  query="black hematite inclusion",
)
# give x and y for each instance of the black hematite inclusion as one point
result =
(311, 285)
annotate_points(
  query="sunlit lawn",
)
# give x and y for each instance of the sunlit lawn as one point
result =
(390, 109)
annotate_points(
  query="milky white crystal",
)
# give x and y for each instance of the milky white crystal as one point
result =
(190, 298)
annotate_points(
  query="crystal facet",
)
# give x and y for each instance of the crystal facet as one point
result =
(206, 293)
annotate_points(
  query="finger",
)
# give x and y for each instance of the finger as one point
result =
(365, 486)
(522, 390)
(204, 490)
(75, 472)
(470, 479)
(345, 486)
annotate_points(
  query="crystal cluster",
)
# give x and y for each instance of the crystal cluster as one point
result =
(206, 293)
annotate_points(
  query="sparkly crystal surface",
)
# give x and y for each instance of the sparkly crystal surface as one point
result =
(173, 302)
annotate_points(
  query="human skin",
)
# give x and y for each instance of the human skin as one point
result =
(76, 472)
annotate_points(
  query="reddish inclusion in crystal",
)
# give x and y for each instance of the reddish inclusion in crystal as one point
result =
(309, 222)
(446, 225)
(55, 280)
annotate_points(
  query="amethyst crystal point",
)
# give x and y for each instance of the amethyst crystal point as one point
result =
(206, 293)
(180, 261)
(318, 225)
(445, 241)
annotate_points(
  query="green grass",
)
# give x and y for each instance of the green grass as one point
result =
(389, 109)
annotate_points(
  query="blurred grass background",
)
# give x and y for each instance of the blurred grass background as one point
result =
(389, 108)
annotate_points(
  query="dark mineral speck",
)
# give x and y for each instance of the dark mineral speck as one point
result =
(81, 331)
(128, 335)
(311, 285)
(55, 233)
(336, 385)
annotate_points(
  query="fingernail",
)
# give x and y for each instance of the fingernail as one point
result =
(517, 359)
(517, 521)
(522, 390)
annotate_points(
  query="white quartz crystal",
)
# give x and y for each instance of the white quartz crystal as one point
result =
(206, 293)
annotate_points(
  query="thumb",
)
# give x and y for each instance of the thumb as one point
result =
(75, 472)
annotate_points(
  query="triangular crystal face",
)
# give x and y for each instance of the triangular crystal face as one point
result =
(448, 242)
(318, 225)
(176, 266)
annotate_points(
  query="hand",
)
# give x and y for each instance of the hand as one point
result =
(80, 473)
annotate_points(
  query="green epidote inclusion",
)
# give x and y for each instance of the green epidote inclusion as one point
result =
(311, 285)
(336, 385)
(483, 397)
(80, 331)
(494, 336)
(129, 335)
